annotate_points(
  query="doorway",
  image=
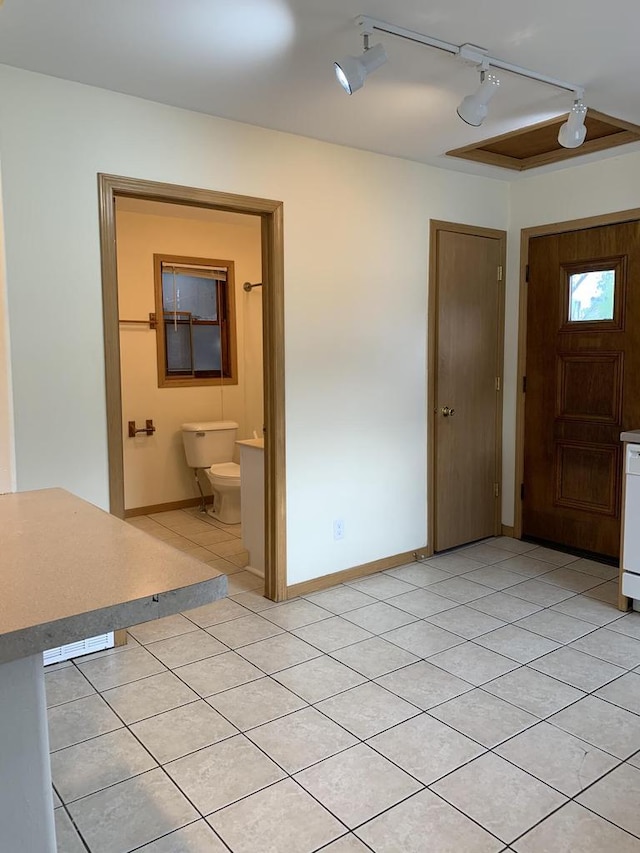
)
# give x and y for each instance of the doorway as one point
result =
(270, 215)
(466, 311)
(581, 391)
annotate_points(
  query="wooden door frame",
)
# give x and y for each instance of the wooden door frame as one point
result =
(271, 214)
(436, 225)
(526, 235)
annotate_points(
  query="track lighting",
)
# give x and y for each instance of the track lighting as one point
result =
(473, 108)
(573, 131)
(352, 71)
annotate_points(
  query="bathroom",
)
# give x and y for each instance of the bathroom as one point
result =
(157, 478)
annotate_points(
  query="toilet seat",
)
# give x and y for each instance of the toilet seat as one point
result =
(227, 472)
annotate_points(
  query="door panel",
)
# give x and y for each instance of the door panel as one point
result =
(468, 363)
(583, 358)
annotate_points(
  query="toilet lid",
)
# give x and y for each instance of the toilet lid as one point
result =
(226, 471)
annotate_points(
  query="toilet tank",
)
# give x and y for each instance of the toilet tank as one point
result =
(209, 442)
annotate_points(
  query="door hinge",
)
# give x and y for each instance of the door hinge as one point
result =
(524, 384)
(500, 273)
(498, 383)
(521, 491)
(526, 273)
(496, 489)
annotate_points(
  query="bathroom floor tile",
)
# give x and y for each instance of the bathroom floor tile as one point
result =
(556, 626)
(68, 840)
(572, 580)
(98, 763)
(610, 646)
(517, 643)
(485, 553)
(281, 817)
(253, 600)
(119, 818)
(65, 685)
(216, 612)
(182, 730)
(244, 631)
(278, 653)
(424, 684)
(533, 691)
(374, 657)
(402, 828)
(114, 670)
(506, 607)
(425, 748)
(379, 617)
(616, 797)
(218, 673)
(557, 758)
(461, 589)
(367, 710)
(80, 720)
(301, 739)
(244, 582)
(419, 574)
(578, 669)
(473, 663)
(331, 634)
(257, 702)
(513, 546)
(624, 692)
(456, 563)
(295, 614)
(604, 725)
(319, 678)
(149, 696)
(494, 577)
(539, 592)
(422, 638)
(589, 610)
(198, 837)
(340, 599)
(338, 782)
(422, 602)
(382, 586)
(347, 844)
(517, 801)
(466, 622)
(574, 828)
(485, 718)
(217, 775)
(186, 648)
(629, 625)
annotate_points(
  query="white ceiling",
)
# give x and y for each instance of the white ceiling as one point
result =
(269, 62)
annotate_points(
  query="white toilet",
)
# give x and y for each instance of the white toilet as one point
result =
(210, 445)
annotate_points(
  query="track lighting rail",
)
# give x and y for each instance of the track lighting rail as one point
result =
(469, 53)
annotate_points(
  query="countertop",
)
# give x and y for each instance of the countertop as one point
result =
(632, 436)
(69, 570)
(252, 442)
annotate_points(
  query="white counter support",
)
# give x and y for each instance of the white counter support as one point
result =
(26, 797)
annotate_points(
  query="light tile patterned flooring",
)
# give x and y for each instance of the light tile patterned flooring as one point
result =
(485, 700)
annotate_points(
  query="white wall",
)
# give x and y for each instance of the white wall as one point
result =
(356, 260)
(603, 187)
(155, 470)
(7, 473)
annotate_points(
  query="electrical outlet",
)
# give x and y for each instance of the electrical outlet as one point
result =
(338, 528)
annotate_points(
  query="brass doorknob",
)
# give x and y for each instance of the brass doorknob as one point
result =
(446, 412)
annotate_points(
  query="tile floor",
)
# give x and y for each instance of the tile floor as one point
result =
(484, 700)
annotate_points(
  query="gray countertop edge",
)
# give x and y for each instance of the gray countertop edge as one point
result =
(39, 638)
(631, 436)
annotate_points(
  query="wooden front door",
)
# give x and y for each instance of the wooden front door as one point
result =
(582, 383)
(468, 370)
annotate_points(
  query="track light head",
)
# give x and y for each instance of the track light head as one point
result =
(473, 109)
(573, 132)
(352, 71)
